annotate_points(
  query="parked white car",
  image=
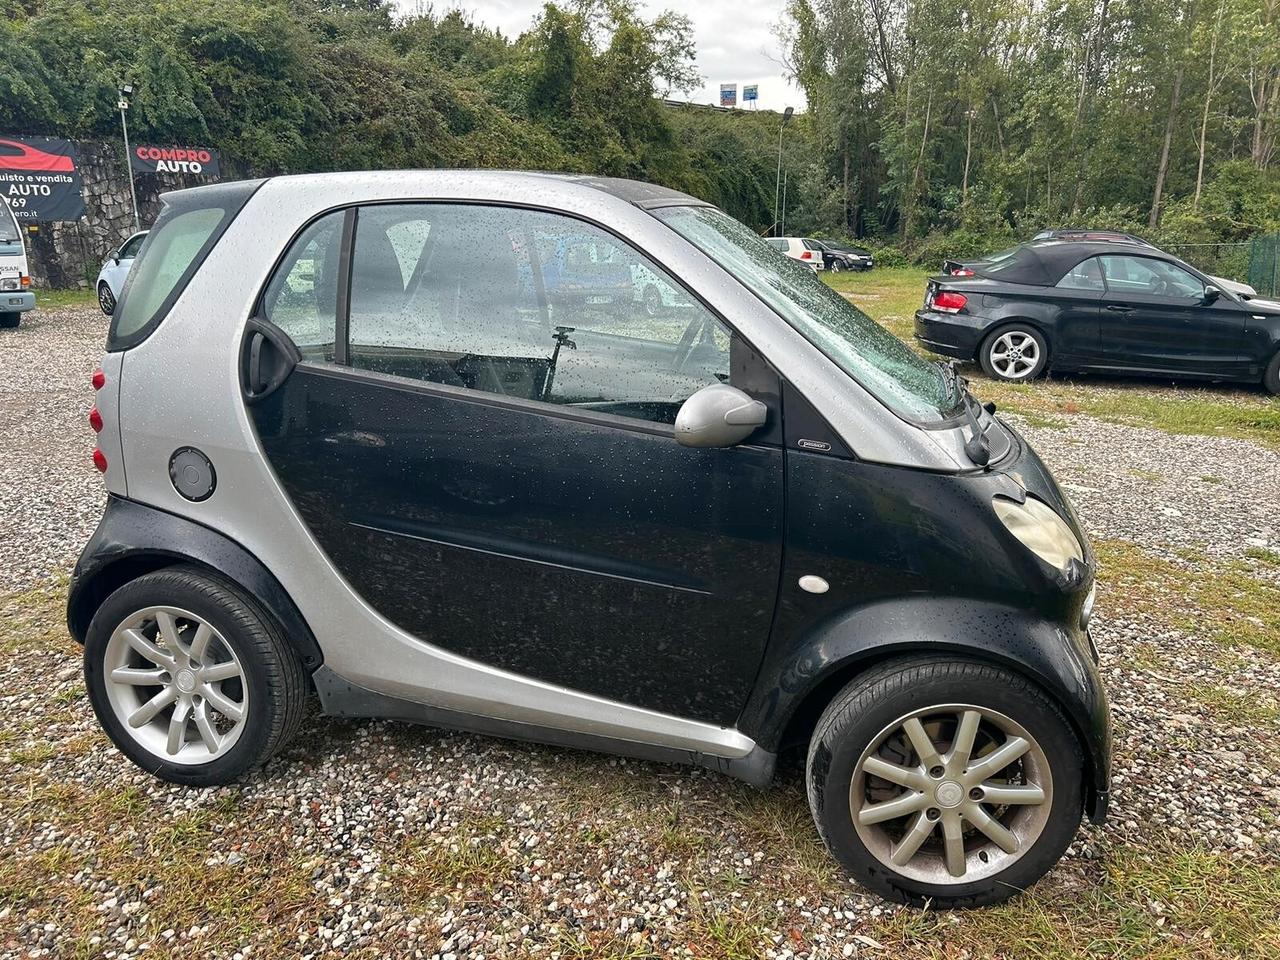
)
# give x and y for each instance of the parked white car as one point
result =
(115, 269)
(15, 278)
(798, 248)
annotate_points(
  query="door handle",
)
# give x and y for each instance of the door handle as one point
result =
(268, 356)
(1117, 308)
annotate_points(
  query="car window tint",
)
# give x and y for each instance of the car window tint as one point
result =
(1149, 277)
(302, 297)
(1083, 276)
(529, 305)
(130, 248)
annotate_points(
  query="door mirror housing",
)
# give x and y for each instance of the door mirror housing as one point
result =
(719, 416)
(1211, 293)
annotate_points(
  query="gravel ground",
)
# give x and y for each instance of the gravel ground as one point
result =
(378, 839)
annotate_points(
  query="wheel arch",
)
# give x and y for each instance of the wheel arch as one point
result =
(791, 696)
(133, 540)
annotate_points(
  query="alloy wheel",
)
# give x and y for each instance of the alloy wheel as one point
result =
(106, 300)
(1014, 354)
(176, 686)
(951, 794)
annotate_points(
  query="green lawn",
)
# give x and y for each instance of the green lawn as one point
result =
(59, 299)
(891, 296)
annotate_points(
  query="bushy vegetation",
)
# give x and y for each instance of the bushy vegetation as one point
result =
(933, 128)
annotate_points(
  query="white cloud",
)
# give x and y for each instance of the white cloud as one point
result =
(736, 42)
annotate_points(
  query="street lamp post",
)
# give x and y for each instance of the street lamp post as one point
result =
(777, 186)
(126, 92)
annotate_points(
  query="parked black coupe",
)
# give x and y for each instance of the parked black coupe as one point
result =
(1071, 305)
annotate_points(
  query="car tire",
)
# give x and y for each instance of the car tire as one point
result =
(9, 320)
(195, 644)
(865, 729)
(836, 266)
(106, 299)
(1015, 353)
(1271, 379)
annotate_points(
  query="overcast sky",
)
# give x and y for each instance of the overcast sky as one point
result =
(735, 41)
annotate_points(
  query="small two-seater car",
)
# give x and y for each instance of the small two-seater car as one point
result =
(343, 462)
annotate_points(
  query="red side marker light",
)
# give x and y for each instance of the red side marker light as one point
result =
(100, 460)
(95, 420)
(99, 379)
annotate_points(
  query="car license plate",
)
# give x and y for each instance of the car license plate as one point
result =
(597, 299)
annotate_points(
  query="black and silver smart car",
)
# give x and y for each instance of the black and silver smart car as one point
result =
(367, 438)
(1100, 305)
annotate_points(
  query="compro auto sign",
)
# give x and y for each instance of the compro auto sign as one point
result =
(200, 160)
(39, 178)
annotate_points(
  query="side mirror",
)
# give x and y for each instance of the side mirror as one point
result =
(1211, 293)
(115, 258)
(719, 416)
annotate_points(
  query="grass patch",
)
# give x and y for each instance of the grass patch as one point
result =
(1153, 903)
(1227, 604)
(477, 856)
(58, 299)
(1254, 709)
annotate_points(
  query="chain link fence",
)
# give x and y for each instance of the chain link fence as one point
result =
(1255, 262)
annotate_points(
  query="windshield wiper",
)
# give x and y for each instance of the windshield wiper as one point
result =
(976, 447)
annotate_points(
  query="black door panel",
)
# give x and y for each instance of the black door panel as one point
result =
(556, 544)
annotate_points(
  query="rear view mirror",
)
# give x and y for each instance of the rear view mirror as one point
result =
(1211, 293)
(719, 416)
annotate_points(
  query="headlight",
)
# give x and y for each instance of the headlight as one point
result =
(1039, 528)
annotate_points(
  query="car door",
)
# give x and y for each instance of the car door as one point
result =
(491, 463)
(1154, 318)
(1076, 302)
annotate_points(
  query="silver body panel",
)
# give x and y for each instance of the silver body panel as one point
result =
(181, 387)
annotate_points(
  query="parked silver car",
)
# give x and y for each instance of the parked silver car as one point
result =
(115, 270)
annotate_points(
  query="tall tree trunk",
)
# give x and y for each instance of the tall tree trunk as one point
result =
(968, 152)
(1261, 91)
(1154, 220)
(1208, 98)
(915, 176)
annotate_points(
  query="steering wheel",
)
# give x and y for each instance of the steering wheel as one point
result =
(698, 331)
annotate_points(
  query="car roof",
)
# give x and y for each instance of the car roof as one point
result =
(1045, 262)
(645, 195)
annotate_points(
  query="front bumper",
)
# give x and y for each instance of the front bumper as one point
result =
(17, 301)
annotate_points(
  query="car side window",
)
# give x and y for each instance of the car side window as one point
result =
(1144, 275)
(302, 297)
(130, 248)
(1086, 275)
(526, 304)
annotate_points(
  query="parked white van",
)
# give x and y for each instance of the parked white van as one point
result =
(15, 278)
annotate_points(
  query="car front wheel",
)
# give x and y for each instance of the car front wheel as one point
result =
(190, 679)
(1014, 353)
(106, 299)
(945, 781)
(1271, 379)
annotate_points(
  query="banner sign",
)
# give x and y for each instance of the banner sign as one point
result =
(751, 92)
(200, 160)
(39, 178)
(728, 94)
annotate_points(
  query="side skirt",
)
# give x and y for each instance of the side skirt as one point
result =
(340, 698)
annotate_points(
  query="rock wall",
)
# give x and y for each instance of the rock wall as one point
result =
(70, 254)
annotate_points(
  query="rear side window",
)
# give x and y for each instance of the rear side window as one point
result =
(190, 224)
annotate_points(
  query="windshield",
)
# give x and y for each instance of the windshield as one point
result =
(8, 225)
(901, 379)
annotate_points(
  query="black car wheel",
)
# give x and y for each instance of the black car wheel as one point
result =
(945, 781)
(836, 266)
(190, 679)
(9, 319)
(1015, 352)
(106, 299)
(1271, 379)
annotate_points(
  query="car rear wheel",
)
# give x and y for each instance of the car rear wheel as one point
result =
(1014, 353)
(190, 678)
(106, 299)
(836, 266)
(1271, 379)
(945, 781)
(9, 319)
